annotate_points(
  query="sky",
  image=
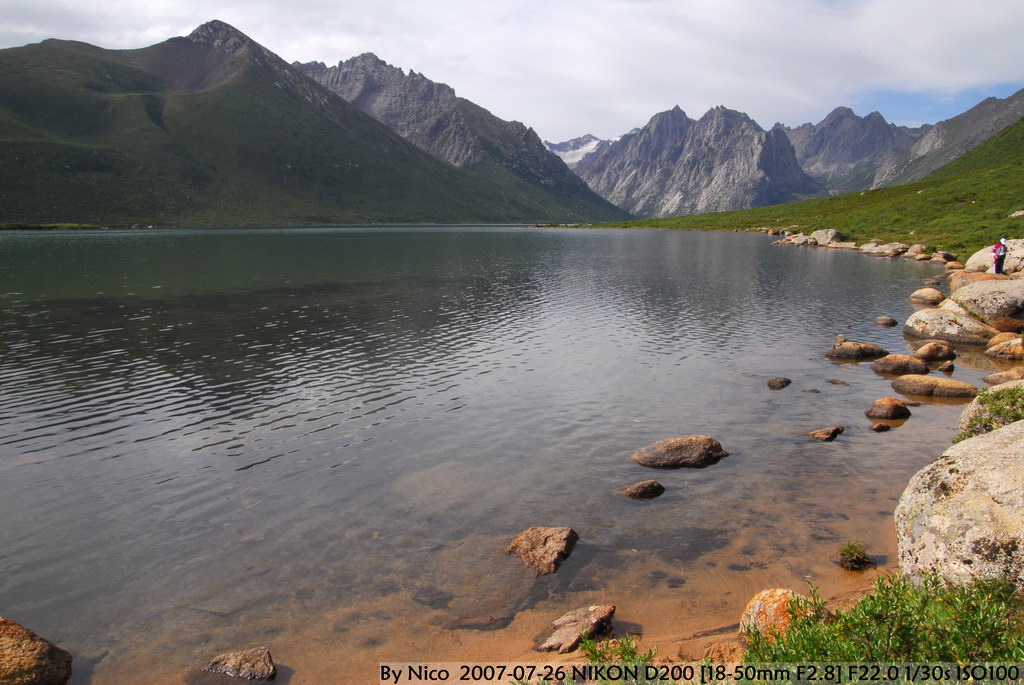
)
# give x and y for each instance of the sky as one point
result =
(569, 67)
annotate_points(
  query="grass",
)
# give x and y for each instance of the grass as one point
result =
(901, 622)
(998, 408)
(853, 556)
(960, 207)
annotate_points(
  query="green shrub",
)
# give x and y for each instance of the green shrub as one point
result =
(853, 556)
(998, 408)
(902, 622)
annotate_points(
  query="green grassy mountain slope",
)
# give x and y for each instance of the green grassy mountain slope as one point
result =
(960, 207)
(214, 129)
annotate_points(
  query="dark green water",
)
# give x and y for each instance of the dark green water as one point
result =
(208, 436)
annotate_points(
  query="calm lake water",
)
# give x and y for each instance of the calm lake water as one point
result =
(320, 439)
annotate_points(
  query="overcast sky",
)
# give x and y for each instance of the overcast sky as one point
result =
(569, 67)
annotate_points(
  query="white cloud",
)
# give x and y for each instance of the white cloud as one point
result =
(567, 67)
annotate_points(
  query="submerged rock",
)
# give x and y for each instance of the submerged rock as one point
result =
(887, 408)
(886, 321)
(27, 659)
(252, 664)
(691, 451)
(932, 386)
(948, 326)
(935, 351)
(855, 350)
(880, 427)
(646, 489)
(960, 516)
(826, 434)
(778, 383)
(595, 620)
(836, 381)
(543, 548)
(899, 365)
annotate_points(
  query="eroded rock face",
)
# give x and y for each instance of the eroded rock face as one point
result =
(826, 434)
(27, 659)
(998, 303)
(962, 516)
(927, 296)
(565, 632)
(855, 350)
(887, 408)
(543, 548)
(767, 611)
(646, 489)
(899, 365)
(935, 351)
(691, 451)
(932, 386)
(949, 326)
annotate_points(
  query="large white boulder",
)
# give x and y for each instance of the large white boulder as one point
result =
(982, 259)
(998, 303)
(940, 324)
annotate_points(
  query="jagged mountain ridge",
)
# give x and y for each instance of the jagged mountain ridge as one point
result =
(458, 131)
(843, 151)
(578, 153)
(214, 129)
(950, 139)
(676, 165)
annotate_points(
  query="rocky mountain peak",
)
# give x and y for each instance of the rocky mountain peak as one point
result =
(222, 36)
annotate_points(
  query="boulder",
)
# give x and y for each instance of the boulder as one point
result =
(1010, 350)
(922, 257)
(252, 664)
(768, 612)
(954, 266)
(778, 383)
(798, 239)
(855, 350)
(691, 451)
(887, 408)
(886, 321)
(982, 260)
(564, 636)
(917, 248)
(886, 250)
(962, 278)
(826, 236)
(899, 365)
(1001, 338)
(1004, 376)
(543, 548)
(27, 659)
(645, 489)
(998, 303)
(927, 296)
(948, 326)
(962, 516)
(932, 386)
(935, 351)
(826, 434)
(945, 256)
(869, 247)
(949, 305)
(980, 406)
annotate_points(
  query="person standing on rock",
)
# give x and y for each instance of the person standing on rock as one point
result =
(999, 250)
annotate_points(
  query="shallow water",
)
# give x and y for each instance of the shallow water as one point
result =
(319, 439)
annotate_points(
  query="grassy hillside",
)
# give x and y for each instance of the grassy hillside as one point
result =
(191, 133)
(961, 207)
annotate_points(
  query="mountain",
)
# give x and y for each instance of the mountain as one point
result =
(458, 131)
(675, 165)
(950, 139)
(214, 129)
(844, 150)
(960, 207)
(578, 153)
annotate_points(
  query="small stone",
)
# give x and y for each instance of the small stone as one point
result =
(596, 621)
(778, 383)
(836, 381)
(946, 367)
(855, 350)
(880, 427)
(252, 664)
(813, 391)
(543, 548)
(27, 659)
(691, 451)
(899, 365)
(887, 408)
(840, 338)
(886, 321)
(646, 489)
(935, 351)
(826, 434)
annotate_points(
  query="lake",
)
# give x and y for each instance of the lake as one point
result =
(321, 439)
